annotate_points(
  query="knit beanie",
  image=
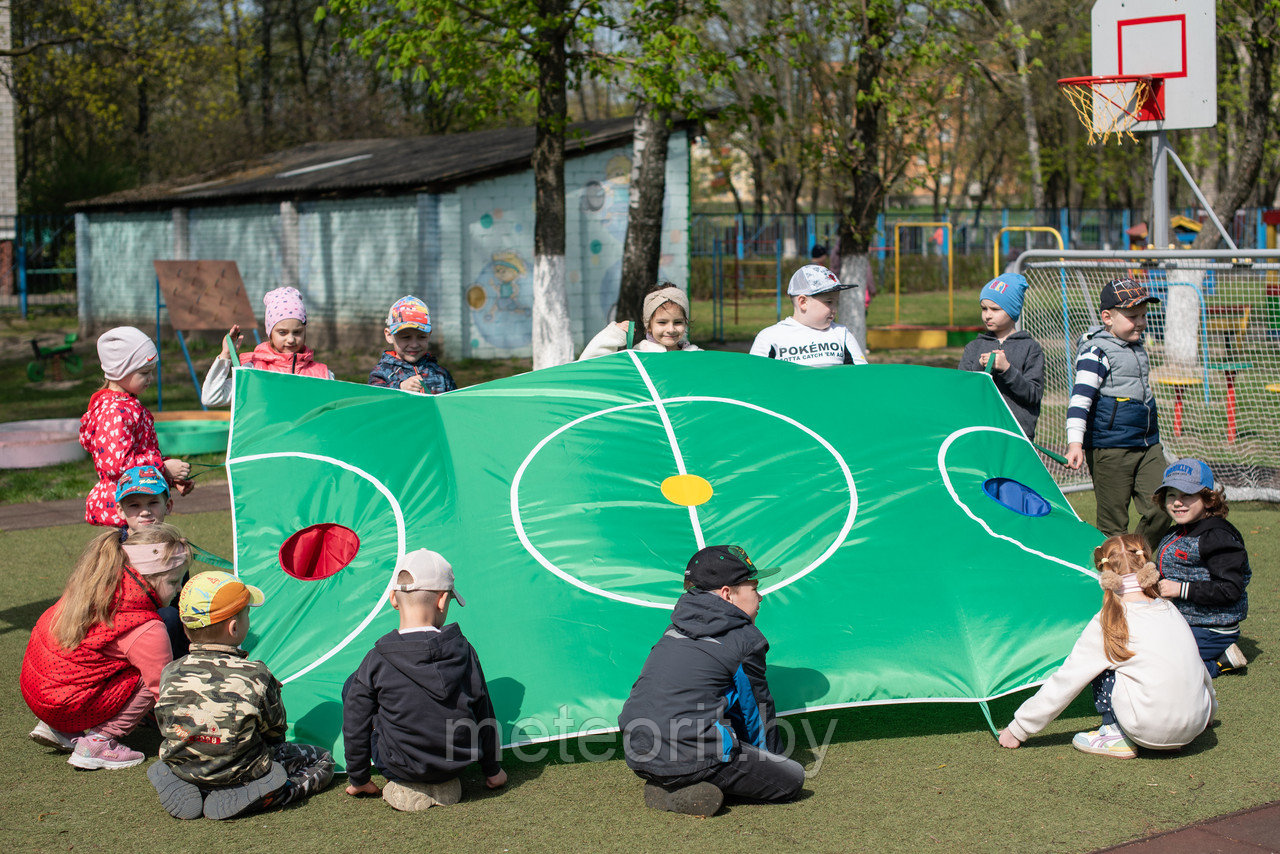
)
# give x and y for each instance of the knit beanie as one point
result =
(125, 350)
(283, 303)
(658, 298)
(1006, 291)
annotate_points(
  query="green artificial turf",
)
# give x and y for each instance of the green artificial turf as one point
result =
(892, 778)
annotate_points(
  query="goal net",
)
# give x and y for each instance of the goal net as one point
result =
(1213, 343)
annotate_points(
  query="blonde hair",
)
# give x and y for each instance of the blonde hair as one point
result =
(1120, 555)
(91, 590)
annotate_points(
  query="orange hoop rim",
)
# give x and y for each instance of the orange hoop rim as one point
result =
(1089, 80)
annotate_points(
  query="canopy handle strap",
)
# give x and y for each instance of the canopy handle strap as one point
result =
(209, 557)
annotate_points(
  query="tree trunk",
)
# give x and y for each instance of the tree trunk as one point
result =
(552, 340)
(1029, 121)
(1248, 163)
(642, 250)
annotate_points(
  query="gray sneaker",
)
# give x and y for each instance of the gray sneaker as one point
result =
(182, 799)
(416, 797)
(234, 801)
(44, 734)
(700, 799)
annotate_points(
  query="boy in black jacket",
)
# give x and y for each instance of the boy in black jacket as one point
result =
(418, 707)
(699, 723)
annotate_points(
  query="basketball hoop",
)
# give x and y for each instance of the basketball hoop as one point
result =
(1110, 105)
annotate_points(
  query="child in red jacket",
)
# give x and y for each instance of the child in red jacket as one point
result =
(117, 430)
(92, 667)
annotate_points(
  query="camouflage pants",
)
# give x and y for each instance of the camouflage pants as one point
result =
(309, 768)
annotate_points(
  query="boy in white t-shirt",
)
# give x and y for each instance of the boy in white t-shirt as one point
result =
(808, 336)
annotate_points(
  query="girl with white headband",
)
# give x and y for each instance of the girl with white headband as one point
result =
(1139, 655)
(92, 666)
(117, 429)
(666, 325)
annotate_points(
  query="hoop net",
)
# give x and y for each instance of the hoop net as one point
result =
(1109, 107)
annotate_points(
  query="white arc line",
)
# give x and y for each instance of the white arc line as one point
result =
(400, 538)
(946, 480)
(671, 437)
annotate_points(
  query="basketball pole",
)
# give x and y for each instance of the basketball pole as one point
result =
(1159, 235)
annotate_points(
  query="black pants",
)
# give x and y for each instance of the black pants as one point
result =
(1103, 684)
(753, 774)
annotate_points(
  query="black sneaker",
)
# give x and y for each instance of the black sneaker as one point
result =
(254, 796)
(182, 799)
(701, 799)
(1232, 658)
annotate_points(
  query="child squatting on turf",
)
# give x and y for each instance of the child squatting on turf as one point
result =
(222, 719)
(418, 708)
(407, 365)
(1018, 371)
(665, 315)
(699, 724)
(1203, 564)
(142, 498)
(92, 667)
(1111, 416)
(1138, 654)
(810, 336)
(285, 351)
(117, 430)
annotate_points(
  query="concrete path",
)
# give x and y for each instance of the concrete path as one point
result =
(46, 514)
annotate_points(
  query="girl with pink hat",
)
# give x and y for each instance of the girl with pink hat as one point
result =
(285, 351)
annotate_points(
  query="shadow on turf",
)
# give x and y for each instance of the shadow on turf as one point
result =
(23, 617)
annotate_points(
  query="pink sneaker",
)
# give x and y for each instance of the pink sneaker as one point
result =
(93, 752)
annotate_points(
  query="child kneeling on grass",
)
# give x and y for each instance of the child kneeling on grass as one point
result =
(222, 719)
(1141, 659)
(418, 708)
(699, 723)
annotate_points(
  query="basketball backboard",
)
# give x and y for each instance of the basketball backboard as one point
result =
(1175, 40)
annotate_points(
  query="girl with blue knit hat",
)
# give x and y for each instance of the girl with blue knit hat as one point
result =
(1012, 357)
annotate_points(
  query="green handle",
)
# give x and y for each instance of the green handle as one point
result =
(209, 557)
(1057, 458)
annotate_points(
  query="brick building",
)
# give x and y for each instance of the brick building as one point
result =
(356, 224)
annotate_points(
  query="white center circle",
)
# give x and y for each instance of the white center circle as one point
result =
(659, 404)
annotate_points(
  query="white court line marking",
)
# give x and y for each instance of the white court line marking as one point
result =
(518, 523)
(671, 437)
(400, 538)
(946, 479)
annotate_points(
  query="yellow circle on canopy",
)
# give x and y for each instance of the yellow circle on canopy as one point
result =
(687, 490)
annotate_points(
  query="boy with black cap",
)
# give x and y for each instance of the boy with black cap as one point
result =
(1018, 371)
(1111, 416)
(809, 336)
(699, 723)
(418, 707)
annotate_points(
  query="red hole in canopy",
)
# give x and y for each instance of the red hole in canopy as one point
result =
(319, 551)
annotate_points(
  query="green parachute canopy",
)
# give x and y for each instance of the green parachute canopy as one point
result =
(926, 554)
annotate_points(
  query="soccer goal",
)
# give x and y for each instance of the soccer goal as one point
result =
(1213, 343)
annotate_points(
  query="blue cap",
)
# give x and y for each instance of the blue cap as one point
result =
(141, 480)
(1006, 291)
(1189, 476)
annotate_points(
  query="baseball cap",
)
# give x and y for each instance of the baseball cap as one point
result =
(408, 311)
(430, 571)
(1188, 475)
(722, 566)
(813, 279)
(141, 480)
(214, 596)
(1124, 293)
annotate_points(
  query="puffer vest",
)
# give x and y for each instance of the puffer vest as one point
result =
(1124, 415)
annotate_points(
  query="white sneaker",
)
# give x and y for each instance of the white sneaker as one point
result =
(1234, 656)
(50, 737)
(1106, 740)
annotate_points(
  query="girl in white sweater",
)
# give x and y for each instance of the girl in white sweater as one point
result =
(1148, 682)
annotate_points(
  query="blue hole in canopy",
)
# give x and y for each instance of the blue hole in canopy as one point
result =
(1019, 498)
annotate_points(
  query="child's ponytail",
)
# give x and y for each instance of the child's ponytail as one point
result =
(90, 590)
(1120, 556)
(90, 593)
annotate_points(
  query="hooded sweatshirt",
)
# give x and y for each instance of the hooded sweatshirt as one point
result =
(425, 694)
(701, 693)
(1022, 384)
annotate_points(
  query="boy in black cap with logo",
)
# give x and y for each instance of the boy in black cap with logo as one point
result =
(1111, 416)
(809, 336)
(699, 723)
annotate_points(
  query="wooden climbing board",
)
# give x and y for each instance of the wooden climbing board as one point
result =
(204, 295)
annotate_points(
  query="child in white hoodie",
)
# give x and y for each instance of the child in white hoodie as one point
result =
(1138, 653)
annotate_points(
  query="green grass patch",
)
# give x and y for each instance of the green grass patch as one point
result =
(892, 778)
